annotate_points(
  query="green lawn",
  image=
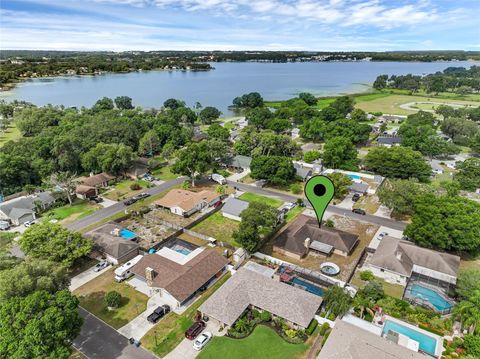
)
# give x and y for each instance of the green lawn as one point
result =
(169, 332)
(292, 214)
(69, 213)
(92, 293)
(121, 189)
(11, 134)
(252, 197)
(393, 290)
(390, 103)
(164, 173)
(263, 343)
(218, 227)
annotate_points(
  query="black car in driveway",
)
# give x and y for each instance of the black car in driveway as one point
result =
(359, 211)
(158, 313)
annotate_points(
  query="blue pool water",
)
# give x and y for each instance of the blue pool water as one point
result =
(427, 343)
(125, 233)
(183, 251)
(308, 286)
(355, 177)
(432, 296)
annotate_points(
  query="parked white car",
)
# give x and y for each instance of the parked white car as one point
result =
(100, 265)
(202, 340)
(28, 223)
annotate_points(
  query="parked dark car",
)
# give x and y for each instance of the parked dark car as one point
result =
(96, 199)
(355, 197)
(158, 313)
(217, 204)
(195, 330)
(129, 201)
(142, 195)
(359, 211)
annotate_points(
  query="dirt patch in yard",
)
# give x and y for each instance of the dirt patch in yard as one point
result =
(149, 230)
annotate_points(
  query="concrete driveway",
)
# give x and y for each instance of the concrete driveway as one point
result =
(139, 326)
(107, 202)
(347, 202)
(185, 350)
(85, 277)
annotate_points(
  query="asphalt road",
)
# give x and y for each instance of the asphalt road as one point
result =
(119, 207)
(387, 222)
(98, 340)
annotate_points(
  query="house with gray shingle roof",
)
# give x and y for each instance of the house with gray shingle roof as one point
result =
(23, 209)
(250, 289)
(233, 208)
(301, 171)
(396, 260)
(239, 162)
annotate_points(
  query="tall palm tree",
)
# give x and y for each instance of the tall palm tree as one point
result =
(337, 301)
(469, 312)
(363, 303)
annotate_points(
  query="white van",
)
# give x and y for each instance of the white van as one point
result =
(124, 271)
(218, 178)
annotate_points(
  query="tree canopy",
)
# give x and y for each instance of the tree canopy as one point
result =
(397, 162)
(468, 174)
(40, 325)
(52, 241)
(277, 170)
(445, 222)
(340, 152)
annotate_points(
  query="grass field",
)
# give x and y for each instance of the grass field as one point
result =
(263, 343)
(369, 203)
(393, 290)
(218, 227)
(169, 332)
(164, 173)
(91, 298)
(70, 213)
(252, 197)
(390, 103)
(12, 133)
(122, 189)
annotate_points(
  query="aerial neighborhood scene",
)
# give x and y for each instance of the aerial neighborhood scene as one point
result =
(275, 179)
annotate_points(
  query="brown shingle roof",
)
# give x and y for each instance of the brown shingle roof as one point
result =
(186, 200)
(97, 179)
(400, 256)
(181, 281)
(83, 189)
(293, 238)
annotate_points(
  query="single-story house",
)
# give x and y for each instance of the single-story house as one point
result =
(358, 187)
(303, 172)
(108, 242)
(85, 192)
(185, 203)
(389, 141)
(304, 235)
(138, 168)
(98, 181)
(348, 341)
(23, 209)
(177, 276)
(396, 260)
(239, 162)
(233, 208)
(250, 289)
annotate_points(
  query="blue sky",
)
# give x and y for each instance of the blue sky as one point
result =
(330, 25)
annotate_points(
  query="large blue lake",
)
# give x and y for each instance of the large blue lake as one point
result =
(220, 86)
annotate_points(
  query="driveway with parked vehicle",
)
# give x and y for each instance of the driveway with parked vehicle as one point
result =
(86, 276)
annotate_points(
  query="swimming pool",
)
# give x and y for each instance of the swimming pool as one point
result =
(426, 343)
(127, 234)
(308, 286)
(355, 177)
(432, 296)
(183, 251)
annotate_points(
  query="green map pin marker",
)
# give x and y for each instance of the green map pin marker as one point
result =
(319, 191)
